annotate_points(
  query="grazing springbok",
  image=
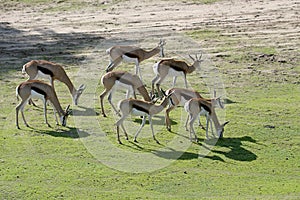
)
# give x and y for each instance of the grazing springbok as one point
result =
(139, 108)
(197, 105)
(180, 97)
(38, 89)
(114, 79)
(52, 71)
(132, 54)
(172, 67)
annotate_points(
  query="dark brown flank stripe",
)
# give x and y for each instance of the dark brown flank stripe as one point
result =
(45, 70)
(140, 108)
(207, 108)
(131, 55)
(124, 80)
(38, 90)
(187, 97)
(176, 68)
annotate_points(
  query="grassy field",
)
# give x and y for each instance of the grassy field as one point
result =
(258, 158)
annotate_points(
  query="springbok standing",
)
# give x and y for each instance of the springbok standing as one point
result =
(52, 71)
(38, 89)
(181, 96)
(174, 68)
(139, 108)
(197, 105)
(114, 79)
(132, 54)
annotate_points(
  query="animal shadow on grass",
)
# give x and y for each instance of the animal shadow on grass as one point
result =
(66, 133)
(155, 119)
(172, 154)
(236, 149)
(180, 155)
(85, 112)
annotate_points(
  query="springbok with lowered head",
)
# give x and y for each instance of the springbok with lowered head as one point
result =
(139, 108)
(132, 54)
(52, 71)
(197, 105)
(38, 89)
(115, 79)
(172, 67)
(181, 96)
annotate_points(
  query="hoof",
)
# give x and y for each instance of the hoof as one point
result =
(104, 115)
(135, 141)
(157, 142)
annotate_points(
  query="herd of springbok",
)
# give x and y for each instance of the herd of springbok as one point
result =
(194, 104)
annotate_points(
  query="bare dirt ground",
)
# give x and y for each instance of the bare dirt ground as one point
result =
(61, 28)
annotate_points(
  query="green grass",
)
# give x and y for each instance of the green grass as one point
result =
(258, 158)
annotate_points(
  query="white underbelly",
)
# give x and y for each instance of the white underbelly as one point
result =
(203, 112)
(138, 112)
(42, 75)
(123, 85)
(129, 59)
(183, 101)
(173, 72)
(36, 95)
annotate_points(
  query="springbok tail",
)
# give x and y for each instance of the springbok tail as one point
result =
(17, 92)
(24, 69)
(108, 50)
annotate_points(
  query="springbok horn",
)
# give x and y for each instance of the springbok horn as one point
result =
(191, 57)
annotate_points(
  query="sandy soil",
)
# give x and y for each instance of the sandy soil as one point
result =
(46, 31)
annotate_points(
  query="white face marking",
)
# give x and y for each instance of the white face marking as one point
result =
(61, 119)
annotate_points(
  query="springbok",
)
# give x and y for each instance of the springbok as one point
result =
(197, 105)
(52, 71)
(172, 67)
(114, 79)
(181, 96)
(139, 108)
(38, 89)
(132, 54)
